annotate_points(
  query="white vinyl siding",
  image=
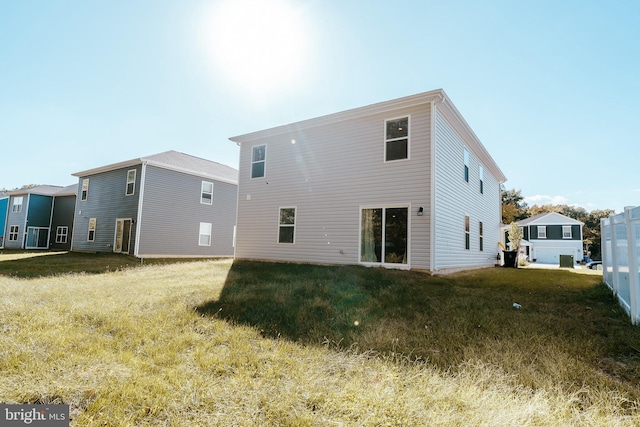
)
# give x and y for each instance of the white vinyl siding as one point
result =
(454, 200)
(328, 174)
(131, 182)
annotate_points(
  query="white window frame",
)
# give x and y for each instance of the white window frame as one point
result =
(388, 140)
(204, 192)
(281, 224)
(543, 234)
(131, 183)
(263, 161)
(17, 204)
(204, 234)
(91, 230)
(384, 208)
(566, 235)
(466, 165)
(481, 236)
(481, 171)
(14, 232)
(467, 233)
(62, 233)
(84, 193)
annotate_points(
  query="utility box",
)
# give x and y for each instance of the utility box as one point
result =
(566, 261)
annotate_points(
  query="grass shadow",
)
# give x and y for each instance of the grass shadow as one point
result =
(443, 320)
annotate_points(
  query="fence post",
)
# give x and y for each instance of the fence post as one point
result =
(633, 269)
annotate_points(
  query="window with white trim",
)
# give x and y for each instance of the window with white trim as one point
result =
(13, 233)
(85, 189)
(481, 235)
(481, 171)
(61, 234)
(131, 182)
(287, 225)
(17, 204)
(258, 161)
(396, 139)
(466, 165)
(542, 232)
(467, 233)
(91, 234)
(566, 232)
(204, 238)
(206, 193)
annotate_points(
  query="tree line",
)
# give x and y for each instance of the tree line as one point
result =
(515, 209)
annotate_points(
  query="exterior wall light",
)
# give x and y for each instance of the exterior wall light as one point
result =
(420, 211)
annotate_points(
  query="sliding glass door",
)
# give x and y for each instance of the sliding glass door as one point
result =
(384, 235)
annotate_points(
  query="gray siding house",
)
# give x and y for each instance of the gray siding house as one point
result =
(402, 184)
(169, 204)
(39, 218)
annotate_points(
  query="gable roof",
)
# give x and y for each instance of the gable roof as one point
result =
(437, 96)
(174, 160)
(43, 190)
(549, 218)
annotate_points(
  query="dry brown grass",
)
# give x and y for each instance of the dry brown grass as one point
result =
(129, 348)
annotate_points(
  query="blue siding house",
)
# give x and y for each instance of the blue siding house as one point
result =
(4, 204)
(30, 214)
(169, 204)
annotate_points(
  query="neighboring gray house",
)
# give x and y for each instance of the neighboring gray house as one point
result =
(549, 235)
(169, 204)
(40, 217)
(402, 184)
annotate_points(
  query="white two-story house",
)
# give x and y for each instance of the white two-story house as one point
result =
(402, 184)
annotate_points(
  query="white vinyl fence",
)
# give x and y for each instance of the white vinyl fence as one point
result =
(621, 259)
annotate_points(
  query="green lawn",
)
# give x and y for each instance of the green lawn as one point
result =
(255, 344)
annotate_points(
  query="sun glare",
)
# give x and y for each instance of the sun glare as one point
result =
(260, 45)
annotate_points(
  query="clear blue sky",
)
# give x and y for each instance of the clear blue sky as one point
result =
(551, 88)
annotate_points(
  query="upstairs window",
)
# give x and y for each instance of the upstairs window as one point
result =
(466, 165)
(131, 182)
(467, 233)
(258, 160)
(91, 235)
(287, 225)
(396, 139)
(542, 232)
(17, 204)
(481, 171)
(206, 194)
(85, 189)
(566, 232)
